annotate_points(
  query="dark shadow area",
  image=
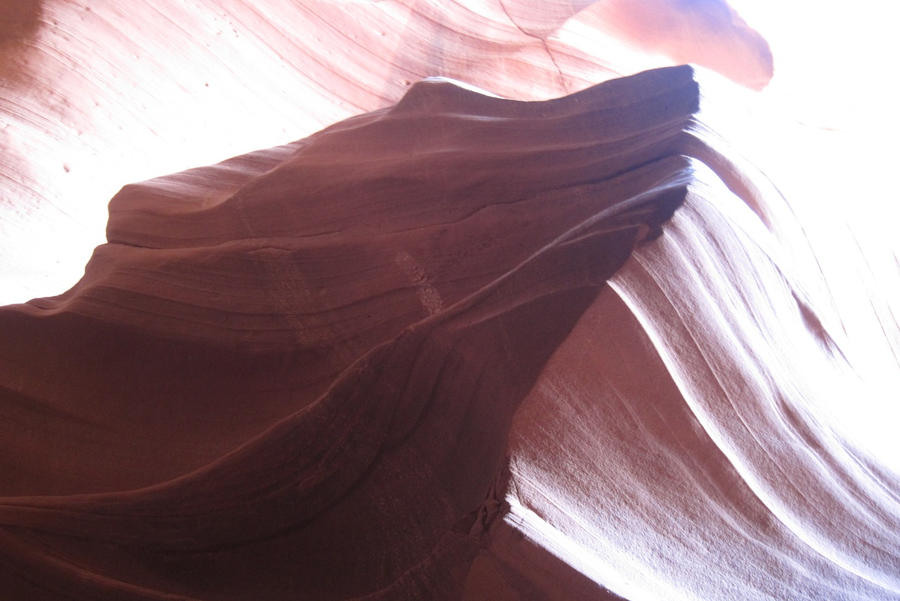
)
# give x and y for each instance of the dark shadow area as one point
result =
(20, 20)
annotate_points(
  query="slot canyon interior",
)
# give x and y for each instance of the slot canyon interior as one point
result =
(465, 300)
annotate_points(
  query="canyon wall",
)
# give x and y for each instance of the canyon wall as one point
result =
(548, 339)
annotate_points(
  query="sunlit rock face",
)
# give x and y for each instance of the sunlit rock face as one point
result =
(460, 347)
(96, 95)
(463, 347)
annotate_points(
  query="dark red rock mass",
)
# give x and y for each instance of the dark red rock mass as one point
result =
(459, 346)
(291, 375)
(385, 362)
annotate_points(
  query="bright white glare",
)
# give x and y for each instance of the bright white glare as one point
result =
(835, 159)
(834, 61)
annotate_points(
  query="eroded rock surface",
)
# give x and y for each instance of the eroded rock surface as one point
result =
(458, 347)
(96, 95)
(291, 375)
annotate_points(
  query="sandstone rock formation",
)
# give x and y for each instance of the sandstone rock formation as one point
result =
(96, 95)
(457, 347)
(385, 362)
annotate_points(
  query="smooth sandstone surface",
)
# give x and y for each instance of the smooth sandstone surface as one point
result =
(388, 361)
(459, 347)
(291, 375)
(97, 95)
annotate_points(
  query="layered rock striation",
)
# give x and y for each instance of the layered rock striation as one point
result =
(460, 347)
(95, 95)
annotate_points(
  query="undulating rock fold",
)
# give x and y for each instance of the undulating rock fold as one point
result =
(462, 347)
(95, 95)
(307, 359)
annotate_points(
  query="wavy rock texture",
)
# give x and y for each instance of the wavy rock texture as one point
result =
(96, 95)
(291, 375)
(384, 362)
(460, 347)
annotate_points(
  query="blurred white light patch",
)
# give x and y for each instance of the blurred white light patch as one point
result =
(835, 160)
